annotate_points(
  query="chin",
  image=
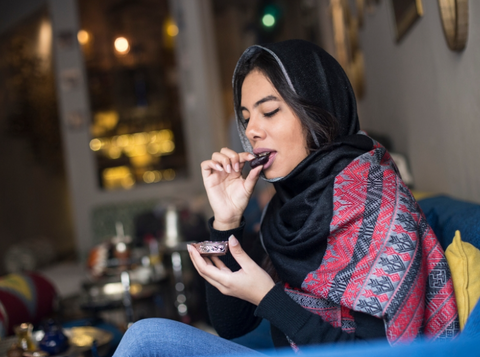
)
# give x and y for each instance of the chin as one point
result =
(272, 174)
(267, 174)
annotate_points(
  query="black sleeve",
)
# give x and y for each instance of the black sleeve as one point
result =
(306, 328)
(231, 317)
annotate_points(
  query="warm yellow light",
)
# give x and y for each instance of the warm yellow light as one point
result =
(114, 152)
(141, 160)
(95, 144)
(135, 150)
(135, 289)
(149, 176)
(106, 120)
(169, 174)
(121, 45)
(128, 183)
(158, 175)
(168, 146)
(83, 37)
(123, 140)
(165, 134)
(116, 172)
(154, 148)
(45, 40)
(172, 30)
(140, 138)
(116, 177)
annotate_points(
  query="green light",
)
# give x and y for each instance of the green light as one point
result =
(268, 20)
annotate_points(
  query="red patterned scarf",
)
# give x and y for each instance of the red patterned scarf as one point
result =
(382, 258)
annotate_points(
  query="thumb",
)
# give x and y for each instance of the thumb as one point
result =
(237, 251)
(252, 178)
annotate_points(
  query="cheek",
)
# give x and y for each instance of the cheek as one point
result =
(296, 142)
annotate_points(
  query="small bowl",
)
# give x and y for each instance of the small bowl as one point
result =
(211, 249)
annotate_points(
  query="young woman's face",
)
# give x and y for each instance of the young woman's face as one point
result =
(272, 126)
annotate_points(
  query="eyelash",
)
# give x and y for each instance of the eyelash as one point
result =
(267, 115)
(272, 113)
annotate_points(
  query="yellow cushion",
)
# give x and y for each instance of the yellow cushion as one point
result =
(420, 195)
(464, 262)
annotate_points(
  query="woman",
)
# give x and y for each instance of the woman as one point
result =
(348, 252)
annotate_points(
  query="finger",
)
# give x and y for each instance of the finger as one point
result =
(193, 257)
(219, 264)
(224, 160)
(234, 158)
(220, 277)
(239, 254)
(252, 178)
(204, 266)
(207, 261)
(246, 156)
(208, 166)
(213, 275)
(201, 267)
(237, 159)
(199, 262)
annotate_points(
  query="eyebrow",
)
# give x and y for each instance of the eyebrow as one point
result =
(263, 100)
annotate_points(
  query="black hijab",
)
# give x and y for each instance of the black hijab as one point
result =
(296, 224)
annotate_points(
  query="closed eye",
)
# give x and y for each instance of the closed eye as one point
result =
(272, 113)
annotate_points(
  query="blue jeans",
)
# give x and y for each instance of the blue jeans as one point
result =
(168, 338)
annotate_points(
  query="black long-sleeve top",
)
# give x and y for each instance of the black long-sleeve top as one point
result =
(232, 317)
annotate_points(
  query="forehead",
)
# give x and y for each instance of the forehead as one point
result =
(256, 86)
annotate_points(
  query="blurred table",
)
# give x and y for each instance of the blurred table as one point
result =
(81, 341)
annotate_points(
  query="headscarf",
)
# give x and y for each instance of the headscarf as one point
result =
(313, 75)
(342, 228)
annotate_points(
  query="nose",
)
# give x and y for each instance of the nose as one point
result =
(254, 130)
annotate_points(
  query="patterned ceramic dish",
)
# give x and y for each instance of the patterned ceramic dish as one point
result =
(209, 248)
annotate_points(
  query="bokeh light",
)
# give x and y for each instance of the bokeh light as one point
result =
(172, 30)
(83, 37)
(95, 144)
(268, 20)
(121, 45)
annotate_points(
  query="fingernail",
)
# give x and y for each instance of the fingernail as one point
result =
(232, 240)
(229, 168)
(189, 247)
(219, 168)
(237, 167)
(251, 156)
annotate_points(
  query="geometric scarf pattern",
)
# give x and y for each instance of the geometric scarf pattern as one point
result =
(382, 258)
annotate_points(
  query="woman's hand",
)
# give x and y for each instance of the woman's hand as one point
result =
(227, 191)
(251, 283)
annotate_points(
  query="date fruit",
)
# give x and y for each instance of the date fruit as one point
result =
(260, 160)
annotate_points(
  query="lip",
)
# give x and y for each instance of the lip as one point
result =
(270, 161)
(271, 157)
(258, 151)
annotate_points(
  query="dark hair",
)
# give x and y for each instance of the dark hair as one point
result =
(315, 120)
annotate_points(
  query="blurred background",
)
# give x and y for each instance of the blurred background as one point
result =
(109, 107)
